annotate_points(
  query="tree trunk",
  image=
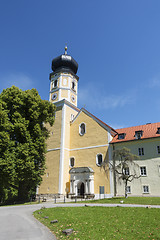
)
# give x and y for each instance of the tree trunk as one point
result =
(114, 175)
(22, 192)
(126, 195)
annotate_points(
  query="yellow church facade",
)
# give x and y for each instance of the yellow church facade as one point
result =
(80, 147)
(78, 142)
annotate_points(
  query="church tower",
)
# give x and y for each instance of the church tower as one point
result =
(64, 81)
(63, 94)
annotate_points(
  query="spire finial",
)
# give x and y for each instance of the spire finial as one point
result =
(65, 49)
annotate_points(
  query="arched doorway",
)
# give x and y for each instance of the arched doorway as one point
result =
(80, 189)
(81, 181)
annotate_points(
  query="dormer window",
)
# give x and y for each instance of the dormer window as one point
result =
(82, 129)
(158, 130)
(138, 134)
(121, 135)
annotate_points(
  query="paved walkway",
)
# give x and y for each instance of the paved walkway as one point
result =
(18, 223)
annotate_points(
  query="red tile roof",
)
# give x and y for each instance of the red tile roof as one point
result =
(149, 131)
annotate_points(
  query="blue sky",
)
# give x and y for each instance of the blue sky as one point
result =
(116, 44)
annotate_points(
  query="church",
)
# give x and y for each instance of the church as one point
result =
(80, 143)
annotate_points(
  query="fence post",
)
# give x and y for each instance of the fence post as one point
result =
(55, 199)
(64, 199)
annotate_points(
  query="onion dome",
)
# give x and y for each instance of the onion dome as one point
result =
(65, 63)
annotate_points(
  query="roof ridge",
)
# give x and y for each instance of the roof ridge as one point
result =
(99, 120)
(147, 124)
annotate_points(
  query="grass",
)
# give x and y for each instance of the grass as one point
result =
(129, 200)
(99, 223)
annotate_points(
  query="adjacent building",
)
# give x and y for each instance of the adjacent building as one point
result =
(143, 141)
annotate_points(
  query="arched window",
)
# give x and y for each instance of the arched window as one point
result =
(73, 85)
(72, 162)
(99, 159)
(82, 129)
(72, 117)
(55, 83)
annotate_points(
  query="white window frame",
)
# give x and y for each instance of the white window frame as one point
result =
(159, 170)
(158, 149)
(147, 188)
(72, 117)
(55, 81)
(128, 189)
(98, 154)
(73, 85)
(126, 171)
(141, 151)
(143, 172)
(80, 129)
(138, 134)
(101, 190)
(70, 161)
(121, 136)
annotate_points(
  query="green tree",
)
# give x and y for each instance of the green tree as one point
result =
(124, 166)
(23, 135)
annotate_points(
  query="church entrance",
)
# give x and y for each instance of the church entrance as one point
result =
(81, 181)
(80, 188)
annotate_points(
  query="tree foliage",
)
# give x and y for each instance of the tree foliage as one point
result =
(124, 166)
(23, 134)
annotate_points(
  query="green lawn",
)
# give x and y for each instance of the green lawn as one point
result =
(97, 223)
(130, 200)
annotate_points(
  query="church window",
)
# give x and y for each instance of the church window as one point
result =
(99, 159)
(72, 117)
(73, 98)
(82, 129)
(101, 189)
(55, 83)
(54, 96)
(72, 162)
(73, 85)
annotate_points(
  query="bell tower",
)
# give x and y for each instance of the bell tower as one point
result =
(63, 94)
(63, 79)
